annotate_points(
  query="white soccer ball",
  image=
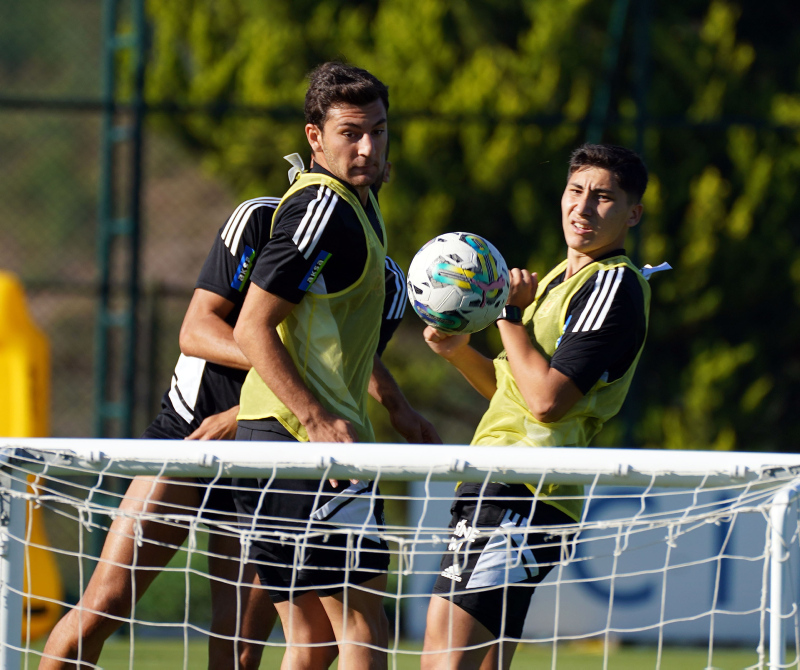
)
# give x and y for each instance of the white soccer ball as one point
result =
(458, 283)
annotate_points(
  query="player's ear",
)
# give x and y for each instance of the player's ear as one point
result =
(314, 136)
(635, 214)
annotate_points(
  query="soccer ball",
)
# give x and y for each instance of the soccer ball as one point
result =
(458, 283)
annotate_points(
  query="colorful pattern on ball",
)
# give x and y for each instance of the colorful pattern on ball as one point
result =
(458, 282)
(482, 283)
(451, 322)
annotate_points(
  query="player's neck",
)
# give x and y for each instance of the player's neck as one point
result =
(363, 194)
(576, 260)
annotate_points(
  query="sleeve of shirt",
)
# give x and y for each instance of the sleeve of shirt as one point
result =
(605, 329)
(293, 257)
(227, 267)
(394, 305)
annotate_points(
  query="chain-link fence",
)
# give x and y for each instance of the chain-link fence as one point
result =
(51, 64)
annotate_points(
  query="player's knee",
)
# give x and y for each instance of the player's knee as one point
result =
(85, 625)
(250, 656)
(371, 626)
(222, 654)
(99, 614)
(427, 663)
(308, 657)
(105, 602)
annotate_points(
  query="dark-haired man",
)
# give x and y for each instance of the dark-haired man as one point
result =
(201, 404)
(571, 342)
(309, 327)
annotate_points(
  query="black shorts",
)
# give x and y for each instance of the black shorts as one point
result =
(307, 535)
(494, 562)
(216, 501)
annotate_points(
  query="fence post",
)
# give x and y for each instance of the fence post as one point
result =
(781, 525)
(12, 536)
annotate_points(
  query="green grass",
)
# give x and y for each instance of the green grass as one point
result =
(158, 654)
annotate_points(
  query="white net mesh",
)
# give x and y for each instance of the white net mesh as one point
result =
(651, 564)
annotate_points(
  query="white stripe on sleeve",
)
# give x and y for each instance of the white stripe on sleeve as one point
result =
(605, 288)
(317, 225)
(232, 232)
(610, 299)
(598, 283)
(398, 307)
(316, 218)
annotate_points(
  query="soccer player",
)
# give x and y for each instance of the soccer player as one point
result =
(572, 342)
(202, 403)
(308, 327)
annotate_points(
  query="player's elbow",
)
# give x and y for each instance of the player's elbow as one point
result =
(187, 341)
(240, 332)
(243, 335)
(550, 403)
(546, 410)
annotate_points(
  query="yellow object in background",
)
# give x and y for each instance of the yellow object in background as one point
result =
(24, 366)
(25, 412)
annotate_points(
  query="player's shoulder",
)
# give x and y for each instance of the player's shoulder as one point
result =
(632, 285)
(314, 215)
(311, 199)
(617, 279)
(249, 220)
(611, 294)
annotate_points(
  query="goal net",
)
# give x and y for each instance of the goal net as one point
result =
(671, 548)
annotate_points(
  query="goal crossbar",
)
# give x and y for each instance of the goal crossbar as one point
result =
(573, 465)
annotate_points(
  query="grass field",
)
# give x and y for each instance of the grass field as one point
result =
(158, 654)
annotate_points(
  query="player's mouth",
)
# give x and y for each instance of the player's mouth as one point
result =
(581, 228)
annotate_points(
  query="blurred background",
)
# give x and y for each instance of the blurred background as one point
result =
(129, 130)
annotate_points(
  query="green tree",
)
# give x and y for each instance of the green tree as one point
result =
(488, 98)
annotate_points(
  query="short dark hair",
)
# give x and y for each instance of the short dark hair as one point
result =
(627, 166)
(337, 83)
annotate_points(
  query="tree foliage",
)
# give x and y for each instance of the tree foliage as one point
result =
(488, 98)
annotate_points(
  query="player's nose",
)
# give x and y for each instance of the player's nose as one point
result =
(584, 204)
(366, 145)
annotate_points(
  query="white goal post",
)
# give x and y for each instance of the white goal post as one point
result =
(646, 515)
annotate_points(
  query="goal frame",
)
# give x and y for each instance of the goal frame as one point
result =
(581, 466)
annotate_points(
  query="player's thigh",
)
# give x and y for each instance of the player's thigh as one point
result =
(133, 541)
(493, 660)
(148, 541)
(453, 637)
(304, 619)
(236, 591)
(358, 612)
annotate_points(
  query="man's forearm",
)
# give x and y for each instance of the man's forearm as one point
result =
(212, 340)
(404, 418)
(477, 369)
(267, 354)
(548, 393)
(384, 388)
(206, 334)
(256, 334)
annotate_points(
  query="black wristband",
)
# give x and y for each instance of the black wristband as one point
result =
(511, 313)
